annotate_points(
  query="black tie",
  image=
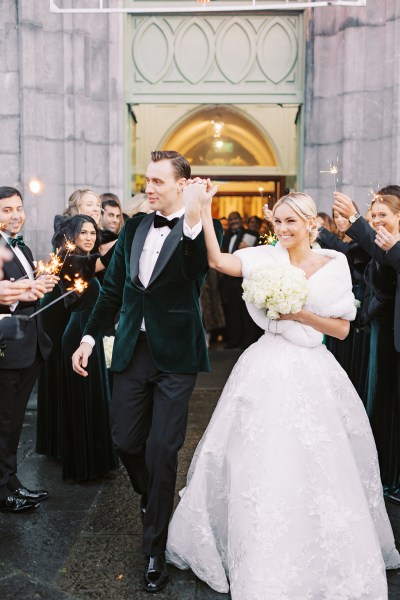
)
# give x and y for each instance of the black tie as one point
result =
(160, 221)
(17, 241)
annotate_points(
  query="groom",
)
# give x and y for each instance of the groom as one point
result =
(154, 279)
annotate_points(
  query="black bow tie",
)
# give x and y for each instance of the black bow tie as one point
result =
(160, 221)
(17, 241)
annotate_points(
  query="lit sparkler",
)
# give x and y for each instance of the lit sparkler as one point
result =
(79, 286)
(333, 170)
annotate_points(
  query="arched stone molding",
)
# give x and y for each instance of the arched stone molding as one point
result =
(193, 128)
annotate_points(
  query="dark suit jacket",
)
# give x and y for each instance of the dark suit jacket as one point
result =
(21, 353)
(240, 233)
(169, 305)
(364, 235)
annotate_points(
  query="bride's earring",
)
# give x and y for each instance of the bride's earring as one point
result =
(309, 229)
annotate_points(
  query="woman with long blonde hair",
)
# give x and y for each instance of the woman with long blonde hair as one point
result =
(284, 498)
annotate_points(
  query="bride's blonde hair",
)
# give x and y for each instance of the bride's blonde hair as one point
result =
(304, 206)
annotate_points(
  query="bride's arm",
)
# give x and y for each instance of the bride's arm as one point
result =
(197, 199)
(338, 328)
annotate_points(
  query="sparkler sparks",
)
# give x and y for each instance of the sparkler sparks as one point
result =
(333, 170)
(79, 286)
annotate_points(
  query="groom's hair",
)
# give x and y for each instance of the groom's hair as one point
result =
(179, 163)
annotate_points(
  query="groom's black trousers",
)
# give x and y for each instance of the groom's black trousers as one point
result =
(149, 411)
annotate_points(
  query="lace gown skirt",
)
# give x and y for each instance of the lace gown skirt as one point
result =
(284, 498)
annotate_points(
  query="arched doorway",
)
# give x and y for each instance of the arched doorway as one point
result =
(219, 140)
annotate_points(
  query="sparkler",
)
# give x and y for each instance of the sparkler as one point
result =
(333, 170)
(79, 286)
(70, 247)
(53, 267)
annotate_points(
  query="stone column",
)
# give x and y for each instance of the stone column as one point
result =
(352, 100)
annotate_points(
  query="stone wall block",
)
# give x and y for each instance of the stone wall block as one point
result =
(9, 127)
(78, 65)
(31, 56)
(10, 169)
(97, 163)
(10, 47)
(96, 69)
(9, 94)
(354, 65)
(51, 62)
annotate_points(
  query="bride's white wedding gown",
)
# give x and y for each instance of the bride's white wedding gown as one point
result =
(284, 498)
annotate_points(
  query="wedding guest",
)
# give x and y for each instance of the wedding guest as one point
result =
(138, 203)
(85, 448)
(21, 359)
(353, 352)
(254, 224)
(383, 310)
(240, 331)
(48, 436)
(224, 223)
(111, 221)
(324, 220)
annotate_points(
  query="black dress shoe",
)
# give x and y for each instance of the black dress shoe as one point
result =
(394, 498)
(155, 573)
(14, 504)
(32, 495)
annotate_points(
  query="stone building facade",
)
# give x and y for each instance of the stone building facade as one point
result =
(61, 90)
(66, 95)
(352, 108)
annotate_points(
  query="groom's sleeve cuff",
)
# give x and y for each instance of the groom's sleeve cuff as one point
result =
(89, 340)
(192, 232)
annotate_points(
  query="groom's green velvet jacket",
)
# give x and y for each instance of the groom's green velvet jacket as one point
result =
(169, 305)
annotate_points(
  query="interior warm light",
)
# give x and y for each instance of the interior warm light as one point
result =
(35, 186)
(217, 126)
(219, 144)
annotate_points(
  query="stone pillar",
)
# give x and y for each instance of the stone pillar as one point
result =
(61, 110)
(352, 100)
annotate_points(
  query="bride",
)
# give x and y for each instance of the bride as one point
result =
(284, 498)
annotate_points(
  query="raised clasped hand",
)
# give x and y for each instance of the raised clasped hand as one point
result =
(343, 204)
(384, 239)
(198, 193)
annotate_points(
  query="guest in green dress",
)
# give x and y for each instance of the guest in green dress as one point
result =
(79, 408)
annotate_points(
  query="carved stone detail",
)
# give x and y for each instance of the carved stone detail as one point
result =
(182, 58)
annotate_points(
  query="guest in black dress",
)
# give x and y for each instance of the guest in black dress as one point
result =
(85, 445)
(353, 352)
(383, 404)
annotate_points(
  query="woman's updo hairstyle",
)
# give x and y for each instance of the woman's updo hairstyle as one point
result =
(75, 200)
(304, 206)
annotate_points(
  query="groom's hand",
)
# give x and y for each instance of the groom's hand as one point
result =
(80, 359)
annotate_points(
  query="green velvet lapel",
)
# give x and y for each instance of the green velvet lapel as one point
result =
(138, 243)
(168, 249)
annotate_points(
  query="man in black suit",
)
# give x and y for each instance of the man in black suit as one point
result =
(154, 279)
(20, 359)
(240, 330)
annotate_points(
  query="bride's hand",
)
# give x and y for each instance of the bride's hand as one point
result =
(198, 194)
(292, 316)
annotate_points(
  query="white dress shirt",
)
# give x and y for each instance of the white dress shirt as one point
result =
(153, 244)
(22, 259)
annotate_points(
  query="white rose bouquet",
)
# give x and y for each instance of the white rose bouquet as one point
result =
(279, 289)
(108, 343)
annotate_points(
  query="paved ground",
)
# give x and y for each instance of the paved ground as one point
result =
(84, 542)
